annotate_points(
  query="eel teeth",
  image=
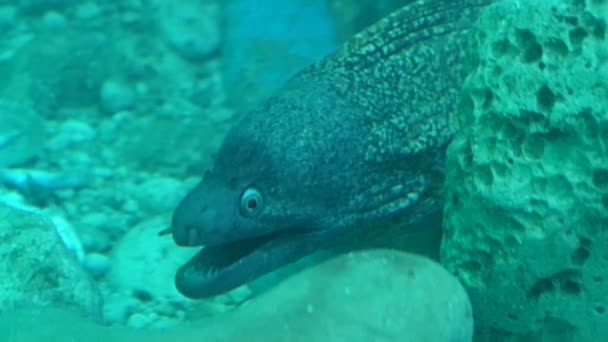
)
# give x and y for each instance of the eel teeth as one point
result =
(212, 271)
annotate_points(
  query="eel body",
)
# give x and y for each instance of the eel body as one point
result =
(349, 144)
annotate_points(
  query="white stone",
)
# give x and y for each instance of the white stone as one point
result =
(142, 261)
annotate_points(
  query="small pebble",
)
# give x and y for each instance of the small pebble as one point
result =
(94, 220)
(97, 264)
(38, 7)
(95, 240)
(110, 223)
(8, 17)
(54, 21)
(117, 307)
(158, 194)
(88, 10)
(116, 96)
(130, 206)
(138, 320)
(69, 133)
(191, 28)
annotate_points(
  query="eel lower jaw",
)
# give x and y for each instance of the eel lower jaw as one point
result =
(220, 268)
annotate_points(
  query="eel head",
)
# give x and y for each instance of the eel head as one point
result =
(243, 238)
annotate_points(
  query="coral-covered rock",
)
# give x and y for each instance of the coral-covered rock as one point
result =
(38, 270)
(527, 186)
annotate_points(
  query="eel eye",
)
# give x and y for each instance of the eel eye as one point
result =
(251, 202)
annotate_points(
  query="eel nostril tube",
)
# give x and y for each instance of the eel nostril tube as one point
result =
(165, 231)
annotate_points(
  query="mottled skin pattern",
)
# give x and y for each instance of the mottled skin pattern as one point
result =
(352, 142)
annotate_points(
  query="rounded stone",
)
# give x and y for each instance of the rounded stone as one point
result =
(88, 11)
(8, 16)
(54, 20)
(373, 295)
(190, 28)
(116, 96)
(22, 133)
(158, 194)
(97, 264)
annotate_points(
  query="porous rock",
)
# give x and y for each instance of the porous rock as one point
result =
(526, 216)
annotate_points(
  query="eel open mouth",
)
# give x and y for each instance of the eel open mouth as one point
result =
(220, 268)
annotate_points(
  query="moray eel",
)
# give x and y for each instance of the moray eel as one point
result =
(351, 143)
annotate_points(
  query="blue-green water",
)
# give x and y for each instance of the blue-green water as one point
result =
(110, 112)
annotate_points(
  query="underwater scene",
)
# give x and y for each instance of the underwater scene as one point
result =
(304, 170)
